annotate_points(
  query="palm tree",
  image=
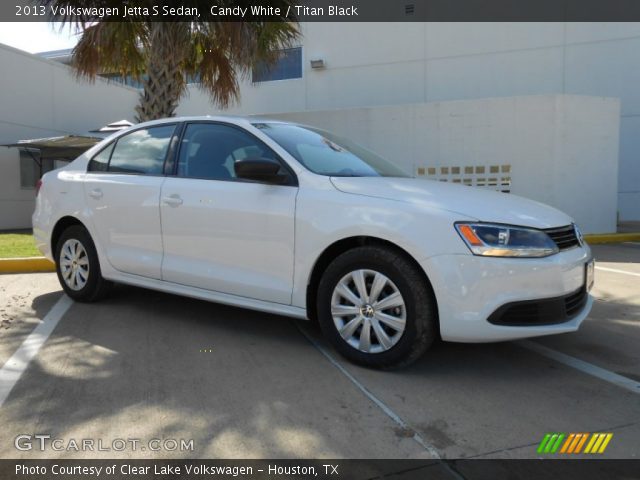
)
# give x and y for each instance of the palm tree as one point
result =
(162, 55)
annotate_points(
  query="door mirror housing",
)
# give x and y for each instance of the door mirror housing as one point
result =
(264, 170)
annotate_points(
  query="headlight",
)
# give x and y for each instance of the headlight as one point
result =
(491, 240)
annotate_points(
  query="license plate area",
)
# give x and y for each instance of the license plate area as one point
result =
(589, 274)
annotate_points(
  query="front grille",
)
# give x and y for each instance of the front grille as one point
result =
(548, 311)
(574, 303)
(564, 237)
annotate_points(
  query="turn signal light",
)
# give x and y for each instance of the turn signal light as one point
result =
(469, 235)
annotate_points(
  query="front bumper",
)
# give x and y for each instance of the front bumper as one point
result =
(470, 289)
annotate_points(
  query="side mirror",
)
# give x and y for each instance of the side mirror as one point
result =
(260, 170)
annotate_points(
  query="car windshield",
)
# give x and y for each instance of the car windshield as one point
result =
(327, 154)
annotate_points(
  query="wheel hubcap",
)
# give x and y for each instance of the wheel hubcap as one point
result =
(369, 311)
(74, 264)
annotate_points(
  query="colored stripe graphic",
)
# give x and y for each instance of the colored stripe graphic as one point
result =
(598, 442)
(594, 437)
(605, 443)
(543, 443)
(551, 442)
(572, 443)
(581, 442)
(556, 445)
(568, 442)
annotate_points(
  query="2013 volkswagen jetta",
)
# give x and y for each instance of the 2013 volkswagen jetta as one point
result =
(292, 220)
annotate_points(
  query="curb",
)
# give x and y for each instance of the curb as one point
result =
(600, 238)
(26, 265)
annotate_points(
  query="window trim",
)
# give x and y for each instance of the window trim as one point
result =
(171, 160)
(174, 173)
(115, 141)
(111, 145)
(301, 77)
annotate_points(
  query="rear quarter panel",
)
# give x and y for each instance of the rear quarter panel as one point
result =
(61, 195)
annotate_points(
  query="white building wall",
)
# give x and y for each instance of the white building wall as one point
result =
(403, 63)
(42, 98)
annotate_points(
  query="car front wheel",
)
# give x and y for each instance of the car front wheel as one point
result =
(78, 267)
(376, 308)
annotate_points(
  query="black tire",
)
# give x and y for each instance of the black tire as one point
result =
(96, 287)
(421, 323)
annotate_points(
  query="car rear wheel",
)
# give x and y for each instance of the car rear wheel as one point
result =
(78, 267)
(376, 308)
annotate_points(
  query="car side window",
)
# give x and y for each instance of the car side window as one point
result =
(142, 151)
(100, 162)
(210, 150)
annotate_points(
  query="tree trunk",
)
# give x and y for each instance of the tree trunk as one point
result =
(164, 83)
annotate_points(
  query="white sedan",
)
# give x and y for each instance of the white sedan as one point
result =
(296, 221)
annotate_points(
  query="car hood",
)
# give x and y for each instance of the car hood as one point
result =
(479, 204)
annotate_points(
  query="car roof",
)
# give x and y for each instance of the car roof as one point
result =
(236, 119)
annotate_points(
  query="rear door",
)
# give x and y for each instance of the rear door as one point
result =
(219, 232)
(122, 189)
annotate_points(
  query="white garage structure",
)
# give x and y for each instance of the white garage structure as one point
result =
(40, 98)
(529, 122)
(371, 64)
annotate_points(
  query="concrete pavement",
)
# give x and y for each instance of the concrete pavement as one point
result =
(145, 365)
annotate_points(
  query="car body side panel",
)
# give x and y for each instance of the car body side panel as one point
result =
(126, 218)
(230, 236)
(61, 195)
(325, 215)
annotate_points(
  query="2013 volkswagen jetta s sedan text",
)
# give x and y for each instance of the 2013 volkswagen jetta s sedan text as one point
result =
(292, 220)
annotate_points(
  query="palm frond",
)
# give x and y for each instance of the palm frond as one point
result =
(162, 54)
(212, 63)
(111, 47)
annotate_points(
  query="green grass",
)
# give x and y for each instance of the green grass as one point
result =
(18, 245)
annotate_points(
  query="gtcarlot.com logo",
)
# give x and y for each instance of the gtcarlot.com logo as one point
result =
(574, 443)
(44, 442)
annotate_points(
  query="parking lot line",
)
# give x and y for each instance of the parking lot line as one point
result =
(379, 403)
(614, 270)
(13, 369)
(585, 367)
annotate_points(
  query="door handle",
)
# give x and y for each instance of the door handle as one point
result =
(172, 200)
(96, 193)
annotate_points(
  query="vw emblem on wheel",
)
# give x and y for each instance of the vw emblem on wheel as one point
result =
(367, 311)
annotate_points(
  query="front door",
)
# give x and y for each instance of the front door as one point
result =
(221, 233)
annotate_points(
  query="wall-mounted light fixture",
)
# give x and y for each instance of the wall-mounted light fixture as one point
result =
(317, 64)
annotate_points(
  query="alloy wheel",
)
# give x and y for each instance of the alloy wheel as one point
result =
(368, 311)
(74, 264)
